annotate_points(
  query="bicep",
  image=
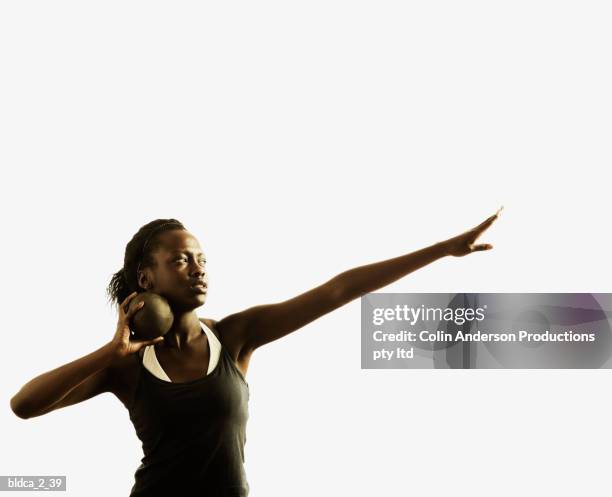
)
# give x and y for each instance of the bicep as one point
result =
(262, 324)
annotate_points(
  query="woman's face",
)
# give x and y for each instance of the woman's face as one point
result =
(180, 266)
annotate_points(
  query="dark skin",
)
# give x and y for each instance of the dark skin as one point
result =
(183, 352)
(180, 263)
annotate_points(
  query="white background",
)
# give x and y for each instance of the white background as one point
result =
(295, 141)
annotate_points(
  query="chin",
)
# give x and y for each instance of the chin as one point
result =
(201, 299)
(188, 305)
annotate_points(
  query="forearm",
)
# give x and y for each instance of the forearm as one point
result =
(48, 388)
(364, 279)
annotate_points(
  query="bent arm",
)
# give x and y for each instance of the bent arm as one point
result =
(65, 385)
(262, 324)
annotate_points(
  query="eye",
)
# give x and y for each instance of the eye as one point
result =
(184, 259)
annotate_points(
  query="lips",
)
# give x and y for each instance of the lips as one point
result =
(200, 286)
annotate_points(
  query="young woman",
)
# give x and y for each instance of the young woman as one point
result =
(186, 392)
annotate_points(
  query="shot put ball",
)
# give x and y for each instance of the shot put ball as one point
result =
(154, 319)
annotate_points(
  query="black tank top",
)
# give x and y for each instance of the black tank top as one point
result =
(193, 433)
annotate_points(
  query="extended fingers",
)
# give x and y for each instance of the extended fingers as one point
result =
(490, 220)
(481, 246)
(144, 343)
(124, 306)
(134, 309)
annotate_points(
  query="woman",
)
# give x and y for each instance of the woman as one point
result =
(191, 424)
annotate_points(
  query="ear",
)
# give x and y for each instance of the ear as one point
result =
(144, 279)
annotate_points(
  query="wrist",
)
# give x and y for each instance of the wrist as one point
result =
(442, 249)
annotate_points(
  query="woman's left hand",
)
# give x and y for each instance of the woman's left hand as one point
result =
(464, 244)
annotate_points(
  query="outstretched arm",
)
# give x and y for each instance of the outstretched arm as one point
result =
(262, 324)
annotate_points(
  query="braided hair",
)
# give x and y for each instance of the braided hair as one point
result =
(138, 254)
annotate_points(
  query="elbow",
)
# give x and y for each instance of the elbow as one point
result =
(338, 293)
(342, 293)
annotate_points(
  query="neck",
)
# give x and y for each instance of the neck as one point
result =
(186, 328)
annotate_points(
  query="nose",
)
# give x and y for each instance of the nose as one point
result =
(199, 271)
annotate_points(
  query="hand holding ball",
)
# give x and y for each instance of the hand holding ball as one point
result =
(154, 319)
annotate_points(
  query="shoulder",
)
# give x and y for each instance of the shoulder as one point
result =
(211, 324)
(227, 334)
(230, 334)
